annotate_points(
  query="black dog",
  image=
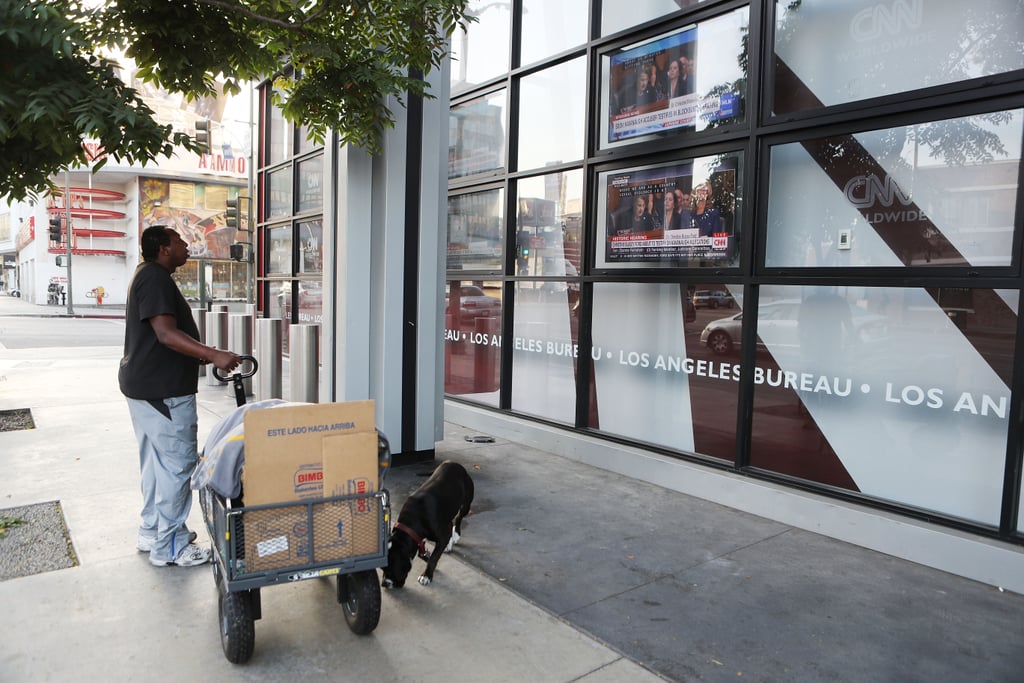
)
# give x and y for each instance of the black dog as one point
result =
(433, 512)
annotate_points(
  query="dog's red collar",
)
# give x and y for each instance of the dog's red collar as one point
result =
(424, 555)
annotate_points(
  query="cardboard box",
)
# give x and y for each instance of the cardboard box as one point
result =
(351, 468)
(283, 448)
(279, 537)
(270, 537)
(350, 464)
(366, 526)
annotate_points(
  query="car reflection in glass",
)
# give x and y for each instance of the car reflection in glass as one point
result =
(779, 322)
(310, 294)
(712, 298)
(474, 303)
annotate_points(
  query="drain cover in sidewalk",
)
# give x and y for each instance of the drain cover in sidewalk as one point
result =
(34, 539)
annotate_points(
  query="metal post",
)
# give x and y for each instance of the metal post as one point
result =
(269, 343)
(199, 315)
(216, 336)
(250, 310)
(240, 341)
(304, 344)
(67, 225)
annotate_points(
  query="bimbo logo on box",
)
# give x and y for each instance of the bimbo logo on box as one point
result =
(308, 479)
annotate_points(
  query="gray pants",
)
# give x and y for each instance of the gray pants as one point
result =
(168, 441)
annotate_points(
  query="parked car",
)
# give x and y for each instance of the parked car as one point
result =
(712, 298)
(310, 294)
(778, 322)
(474, 303)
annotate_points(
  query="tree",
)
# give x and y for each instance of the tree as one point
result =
(335, 63)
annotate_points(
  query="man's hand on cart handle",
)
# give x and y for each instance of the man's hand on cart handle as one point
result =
(225, 361)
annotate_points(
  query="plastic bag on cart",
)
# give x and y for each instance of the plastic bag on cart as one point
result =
(220, 463)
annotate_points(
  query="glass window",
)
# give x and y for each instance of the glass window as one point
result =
(653, 381)
(549, 235)
(228, 281)
(544, 349)
(476, 134)
(617, 15)
(311, 246)
(551, 27)
(310, 301)
(548, 134)
(239, 281)
(940, 193)
(279, 250)
(472, 340)
(279, 194)
(304, 143)
(476, 231)
(829, 52)
(929, 369)
(311, 191)
(279, 305)
(279, 137)
(690, 79)
(481, 52)
(684, 214)
(187, 278)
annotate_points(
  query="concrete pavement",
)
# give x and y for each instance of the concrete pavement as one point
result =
(566, 573)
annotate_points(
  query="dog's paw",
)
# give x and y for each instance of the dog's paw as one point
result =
(452, 541)
(424, 580)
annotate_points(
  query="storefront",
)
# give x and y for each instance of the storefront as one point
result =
(845, 174)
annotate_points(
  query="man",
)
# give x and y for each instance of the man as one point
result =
(159, 377)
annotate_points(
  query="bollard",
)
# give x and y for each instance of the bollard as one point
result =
(199, 315)
(217, 337)
(304, 344)
(240, 341)
(269, 345)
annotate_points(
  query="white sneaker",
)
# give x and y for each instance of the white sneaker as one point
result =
(145, 543)
(190, 556)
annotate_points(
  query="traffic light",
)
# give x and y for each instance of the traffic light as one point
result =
(231, 217)
(56, 229)
(203, 132)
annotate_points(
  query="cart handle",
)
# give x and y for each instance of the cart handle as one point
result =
(237, 377)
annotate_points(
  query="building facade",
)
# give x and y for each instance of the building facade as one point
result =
(103, 212)
(767, 253)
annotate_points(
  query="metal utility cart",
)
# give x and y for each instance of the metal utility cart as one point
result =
(240, 572)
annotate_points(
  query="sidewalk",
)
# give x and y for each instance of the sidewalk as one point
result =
(565, 573)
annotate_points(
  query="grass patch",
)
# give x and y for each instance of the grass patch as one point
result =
(9, 522)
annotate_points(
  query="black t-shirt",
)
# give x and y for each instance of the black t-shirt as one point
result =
(149, 370)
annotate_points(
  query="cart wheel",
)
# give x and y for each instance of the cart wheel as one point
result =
(237, 627)
(359, 595)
